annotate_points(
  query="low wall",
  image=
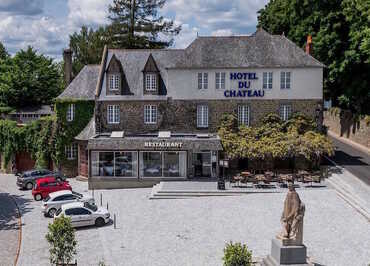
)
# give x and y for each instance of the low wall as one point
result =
(344, 124)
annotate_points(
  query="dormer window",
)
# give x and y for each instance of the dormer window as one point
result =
(114, 82)
(151, 82)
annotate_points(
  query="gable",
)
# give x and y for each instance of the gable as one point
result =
(150, 65)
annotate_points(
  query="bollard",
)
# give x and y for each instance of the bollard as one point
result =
(114, 220)
(107, 205)
(101, 199)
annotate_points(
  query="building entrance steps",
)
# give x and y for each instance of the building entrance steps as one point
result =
(188, 189)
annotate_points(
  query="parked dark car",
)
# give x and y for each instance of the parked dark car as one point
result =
(27, 179)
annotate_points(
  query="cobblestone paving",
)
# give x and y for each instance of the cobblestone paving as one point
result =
(9, 227)
(194, 231)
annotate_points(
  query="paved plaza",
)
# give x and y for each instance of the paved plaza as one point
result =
(194, 231)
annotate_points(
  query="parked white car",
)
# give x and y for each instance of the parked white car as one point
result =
(55, 200)
(84, 214)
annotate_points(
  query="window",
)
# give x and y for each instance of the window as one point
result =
(151, 82)
(163, 164)
(202, 116)
(285, 111)
(243, 115)
(71, 151)
(220, 80)
(150, 114)
(285, 80)
(119, 164)
(113, 114)
(114, 82)
(202, 81)
(267, 80)
(70, 112)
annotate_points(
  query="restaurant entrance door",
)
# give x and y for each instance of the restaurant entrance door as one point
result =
(202, 164)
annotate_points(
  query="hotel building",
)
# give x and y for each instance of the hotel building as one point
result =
(157, 111)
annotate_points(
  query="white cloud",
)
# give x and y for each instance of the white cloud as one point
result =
(22, 7)
(222, 32)
(87, 12)
(186, 36)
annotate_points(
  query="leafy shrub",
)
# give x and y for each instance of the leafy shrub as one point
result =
(237, 255)
(61, 238)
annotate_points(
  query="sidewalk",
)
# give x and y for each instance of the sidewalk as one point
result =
(349, 142)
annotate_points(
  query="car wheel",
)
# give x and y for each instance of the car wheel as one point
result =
(38, 197)
(51, 212)
(99, 222)
(29, 185)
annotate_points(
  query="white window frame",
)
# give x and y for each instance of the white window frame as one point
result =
(202, 81)
(150, 114)
(151, 83)
(71, 151)
(267, 80)
(202, 116)
(113, 114)
(243, 115)
(285, 80)
(114, 82)
(71, 112)
(285, 111)
(220, 78)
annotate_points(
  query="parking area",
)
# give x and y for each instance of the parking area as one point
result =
(194, 231)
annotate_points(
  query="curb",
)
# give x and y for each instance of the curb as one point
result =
(20, 232)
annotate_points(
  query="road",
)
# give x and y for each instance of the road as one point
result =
(354, 160)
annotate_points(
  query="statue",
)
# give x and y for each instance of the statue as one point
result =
(292, 219)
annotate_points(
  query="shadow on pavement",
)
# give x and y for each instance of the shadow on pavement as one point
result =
(8, 210)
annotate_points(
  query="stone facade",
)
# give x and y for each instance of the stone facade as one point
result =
(83, 166)
(345, 125)
(181, 115)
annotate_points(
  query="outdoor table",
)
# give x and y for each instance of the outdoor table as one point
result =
(246, 174)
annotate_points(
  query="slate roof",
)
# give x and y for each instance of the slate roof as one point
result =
(83, 85)
(88, 132)
(42, 110)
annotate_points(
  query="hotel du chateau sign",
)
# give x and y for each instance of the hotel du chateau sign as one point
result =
(244, 80)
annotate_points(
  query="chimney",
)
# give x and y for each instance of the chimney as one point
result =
(67, 57)
(309, 45)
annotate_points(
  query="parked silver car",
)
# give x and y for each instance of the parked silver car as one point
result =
(55, 200)
(84, 214)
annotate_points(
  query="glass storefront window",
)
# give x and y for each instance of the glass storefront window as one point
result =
(174, 164)
(119, 164)
(125, 164)
(106, 164)
(150, 164)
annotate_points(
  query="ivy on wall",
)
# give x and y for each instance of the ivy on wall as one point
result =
(47, 137)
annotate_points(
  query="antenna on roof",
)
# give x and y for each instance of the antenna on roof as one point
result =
(197, 34)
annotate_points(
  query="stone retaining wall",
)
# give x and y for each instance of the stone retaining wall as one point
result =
(344, 124)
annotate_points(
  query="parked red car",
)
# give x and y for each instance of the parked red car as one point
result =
(46, 185)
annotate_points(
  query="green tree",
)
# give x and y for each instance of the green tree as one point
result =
(341, 40)
(3, 53)
(136, 24)
(87, 46)
(61, 238)
(29, 79)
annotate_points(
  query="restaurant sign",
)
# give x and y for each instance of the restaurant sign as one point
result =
(244, 81)
(163, 144)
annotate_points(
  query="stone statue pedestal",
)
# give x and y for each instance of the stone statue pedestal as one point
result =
(284, 253)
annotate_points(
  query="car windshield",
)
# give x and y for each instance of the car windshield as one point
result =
(46, 199)
(92, 207)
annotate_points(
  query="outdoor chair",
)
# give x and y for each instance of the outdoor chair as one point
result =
(234, 180)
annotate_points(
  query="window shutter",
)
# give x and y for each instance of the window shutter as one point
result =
(200, 81)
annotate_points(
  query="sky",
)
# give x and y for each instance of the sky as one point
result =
(47, 24)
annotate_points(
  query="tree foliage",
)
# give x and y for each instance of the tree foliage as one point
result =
(87, 46)
(3, 52)
(61, 238)
(137, 24)
(274, 139)
(236, 254)
(29, 79)
(340, 31)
